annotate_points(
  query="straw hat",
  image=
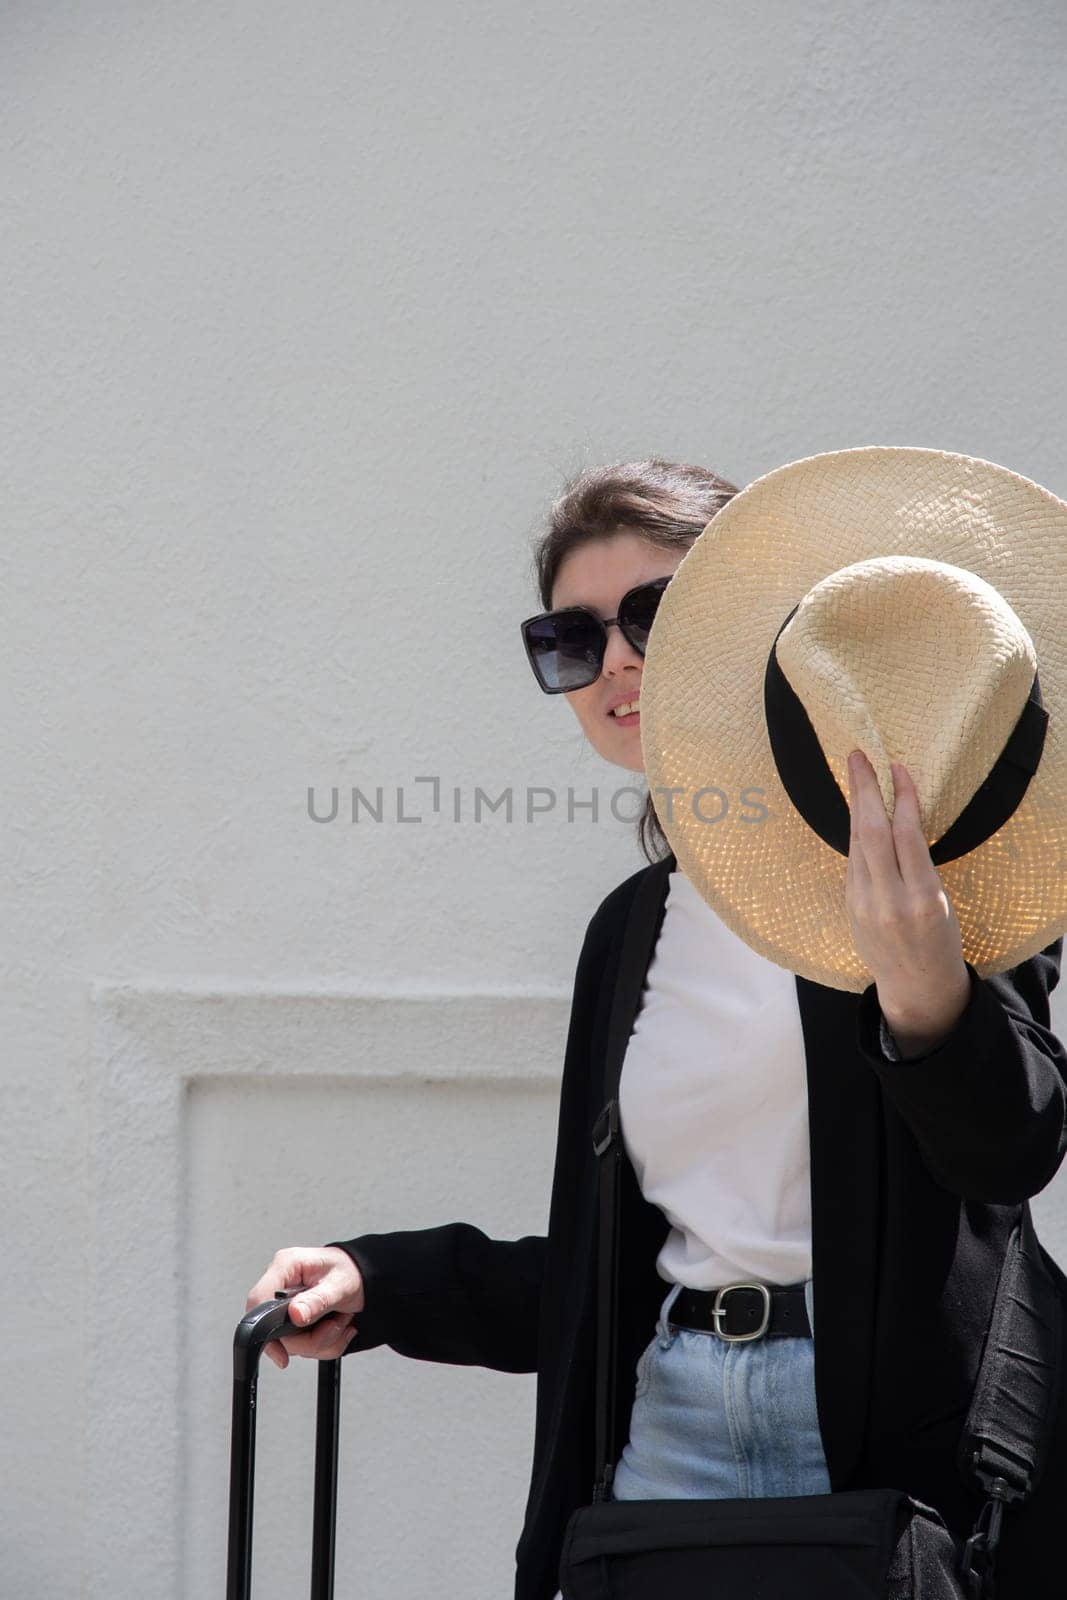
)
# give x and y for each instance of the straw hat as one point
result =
(908, 603)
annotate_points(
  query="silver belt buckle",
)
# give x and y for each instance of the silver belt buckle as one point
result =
(718, 1311)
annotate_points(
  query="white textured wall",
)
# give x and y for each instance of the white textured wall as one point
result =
(307, 311)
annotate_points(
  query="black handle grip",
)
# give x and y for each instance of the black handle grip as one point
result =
(257, 1328)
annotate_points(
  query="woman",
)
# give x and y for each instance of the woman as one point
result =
(799, 1171)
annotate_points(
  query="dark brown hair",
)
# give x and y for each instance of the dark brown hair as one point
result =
(668, 503)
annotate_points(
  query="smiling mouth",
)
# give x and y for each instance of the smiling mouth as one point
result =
(623, 713)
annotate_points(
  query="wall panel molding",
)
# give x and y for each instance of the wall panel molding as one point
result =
(151, 1043)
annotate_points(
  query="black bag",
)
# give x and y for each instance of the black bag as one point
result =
(262, 1324)
(847, 1546)
(867, 1544)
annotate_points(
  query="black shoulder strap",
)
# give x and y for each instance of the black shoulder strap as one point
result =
(638, 941)
(1005, 1440)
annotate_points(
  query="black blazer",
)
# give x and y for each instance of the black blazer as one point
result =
(918, 1173)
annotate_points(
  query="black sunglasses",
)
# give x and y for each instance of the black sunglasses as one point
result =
(566, 648)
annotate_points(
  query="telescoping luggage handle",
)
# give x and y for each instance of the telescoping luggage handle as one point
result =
(262, 1324)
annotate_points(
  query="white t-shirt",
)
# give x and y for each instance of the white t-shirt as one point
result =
(713, 1104)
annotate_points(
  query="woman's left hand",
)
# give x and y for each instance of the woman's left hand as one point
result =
(903, 924)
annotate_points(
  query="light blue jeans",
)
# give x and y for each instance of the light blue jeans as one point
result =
(713, 1420)
(716, 1420)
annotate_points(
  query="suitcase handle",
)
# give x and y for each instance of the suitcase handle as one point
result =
(262, 1324)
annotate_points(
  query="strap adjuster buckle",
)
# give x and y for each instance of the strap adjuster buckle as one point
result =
(718, 1312)
(606, 1127)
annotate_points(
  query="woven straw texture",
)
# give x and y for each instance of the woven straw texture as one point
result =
(742, 843)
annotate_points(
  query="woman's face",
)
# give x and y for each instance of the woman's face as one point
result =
(597, 575)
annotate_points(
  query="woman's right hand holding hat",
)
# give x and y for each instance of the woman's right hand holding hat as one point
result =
(903, 923)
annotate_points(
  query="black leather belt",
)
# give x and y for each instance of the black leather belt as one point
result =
(741, 1311)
